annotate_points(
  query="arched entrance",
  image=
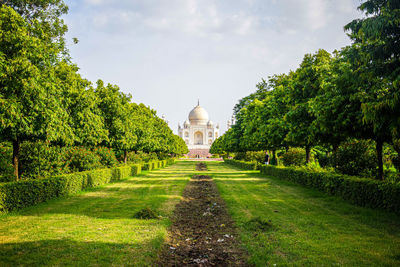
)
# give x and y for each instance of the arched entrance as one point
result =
(198, 138)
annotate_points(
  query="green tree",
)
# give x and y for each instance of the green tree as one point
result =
(119, 117)
(30, 102)
(305, 86)
(376, 50)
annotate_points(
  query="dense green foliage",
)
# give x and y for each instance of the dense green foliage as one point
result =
(331, 98)
(43, 98)
(295, 156)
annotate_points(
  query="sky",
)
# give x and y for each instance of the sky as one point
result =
(169, 53)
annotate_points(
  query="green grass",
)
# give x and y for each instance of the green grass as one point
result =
(97, 227)
(279, 223)
(288, 225)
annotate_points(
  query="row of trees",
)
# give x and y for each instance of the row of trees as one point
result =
(44, 98)
(352, 93)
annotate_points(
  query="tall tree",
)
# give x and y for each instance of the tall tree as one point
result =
(376, 47)
(306, 85)
(116, 112)
(30, 100)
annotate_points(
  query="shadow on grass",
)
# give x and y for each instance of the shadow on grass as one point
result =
(121, 199)
(77, 253)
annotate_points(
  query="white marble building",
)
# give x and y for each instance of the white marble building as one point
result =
(198, 132)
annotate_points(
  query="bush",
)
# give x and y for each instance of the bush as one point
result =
(360, 191)
(295, 156)
(356, 157)
(253, 156)
(81, 159)
(19, 194)
(243, 164)
(41, 159)
(107, 156)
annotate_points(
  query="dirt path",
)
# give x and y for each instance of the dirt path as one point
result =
(202, 233)
(201, 166)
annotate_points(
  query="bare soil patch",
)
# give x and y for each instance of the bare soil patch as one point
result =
(201, 166)
(202, 232)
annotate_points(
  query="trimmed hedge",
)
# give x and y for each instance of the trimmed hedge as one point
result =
(360, 191)
(253, 165)
(157, 164)
(17, 195)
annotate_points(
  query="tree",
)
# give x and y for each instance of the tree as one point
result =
(377, 51)
(305, 86)
(30, 101)
(119, 117)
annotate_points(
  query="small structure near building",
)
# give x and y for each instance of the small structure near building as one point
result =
(198, 132)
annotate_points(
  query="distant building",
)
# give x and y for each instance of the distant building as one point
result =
(198, 132)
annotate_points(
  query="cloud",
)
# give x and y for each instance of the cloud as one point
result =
(168, 53)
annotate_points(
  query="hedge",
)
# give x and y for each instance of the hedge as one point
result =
(157, 164)
(20, 194)
(359, 191)
(253, 165)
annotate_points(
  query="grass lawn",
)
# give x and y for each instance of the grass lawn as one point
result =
(293, 225)
(96, 227)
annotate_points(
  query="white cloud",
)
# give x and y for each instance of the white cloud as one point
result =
(168, 53)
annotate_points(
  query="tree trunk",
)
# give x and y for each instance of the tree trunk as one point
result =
(335, 147)
(15, 158)
(125, 156)
(274, 159)
(308, 150)
(379, 145)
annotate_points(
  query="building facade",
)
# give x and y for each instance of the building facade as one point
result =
(198, 132)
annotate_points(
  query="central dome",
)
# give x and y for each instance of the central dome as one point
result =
(198, 115)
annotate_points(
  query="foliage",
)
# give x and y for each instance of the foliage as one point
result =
(295, 156)
(360, 191)
(355, 157)
(107, 156)
(40, 159)
(43, 98)
(353, 93)
(81, 159)
(255, 156)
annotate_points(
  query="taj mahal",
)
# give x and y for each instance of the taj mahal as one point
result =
(198, 132)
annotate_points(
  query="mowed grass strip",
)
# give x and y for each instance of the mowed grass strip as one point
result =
(96, 228)
(288, 225)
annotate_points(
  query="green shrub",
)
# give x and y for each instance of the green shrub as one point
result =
(147, 166)
(107, 156)
(360, 191)
(81, 159)
(243, 164)
(170, 161)
(356, 157)
(19, 194)
(295, 156)
(41, 159)
(250, 156)
(136, 169)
